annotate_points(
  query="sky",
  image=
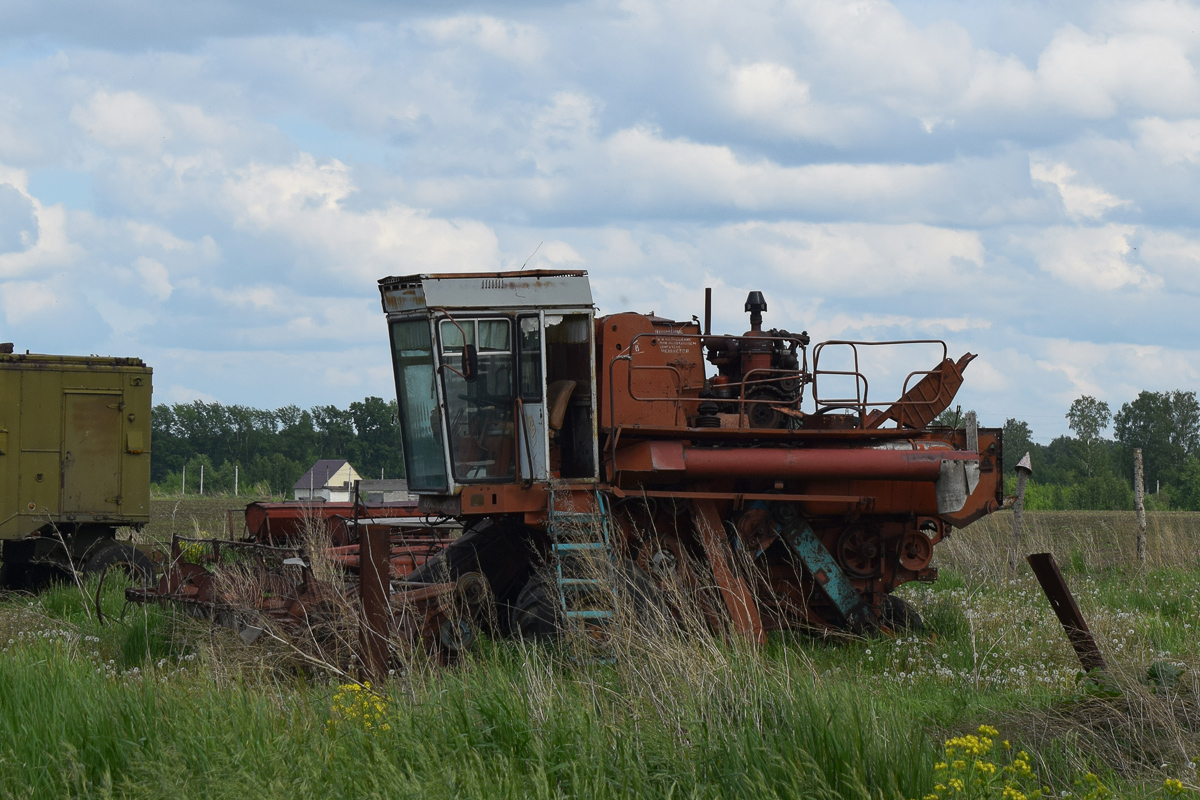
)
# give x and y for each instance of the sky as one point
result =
(216, 187)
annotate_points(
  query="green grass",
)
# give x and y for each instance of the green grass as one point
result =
(156, 704)
(516, 723)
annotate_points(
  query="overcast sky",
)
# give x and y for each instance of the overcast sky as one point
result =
(216, 187)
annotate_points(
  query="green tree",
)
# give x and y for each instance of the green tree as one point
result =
(1088, 418)
(1017, 441)
(1166, 426)
(377, 448)
(1187, 494)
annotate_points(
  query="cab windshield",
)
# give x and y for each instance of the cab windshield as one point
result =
(480, 412)
(420, 423)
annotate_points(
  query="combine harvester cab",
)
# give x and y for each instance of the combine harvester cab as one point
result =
(549, 432)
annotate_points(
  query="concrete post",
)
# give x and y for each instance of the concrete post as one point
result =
(1024, 470)
(1139, 503)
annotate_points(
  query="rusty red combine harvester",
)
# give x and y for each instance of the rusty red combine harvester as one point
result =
(553, 435)
(581, 453)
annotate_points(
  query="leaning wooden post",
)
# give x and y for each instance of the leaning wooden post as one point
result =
(1024, 470)
(374, 583)
(1139, 503)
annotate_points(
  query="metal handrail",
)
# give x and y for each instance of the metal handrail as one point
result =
(861, 400)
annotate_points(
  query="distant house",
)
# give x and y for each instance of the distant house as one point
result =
(329, 479)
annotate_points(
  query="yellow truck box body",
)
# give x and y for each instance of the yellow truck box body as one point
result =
(74, 442)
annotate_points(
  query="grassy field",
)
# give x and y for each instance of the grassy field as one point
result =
(153, 704)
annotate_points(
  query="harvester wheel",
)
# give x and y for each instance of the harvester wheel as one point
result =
(503, 555)
(125, 557)
(900, 616)
(537, 614)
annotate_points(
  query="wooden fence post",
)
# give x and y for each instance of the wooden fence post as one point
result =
(1139, 503)
(1024, 469)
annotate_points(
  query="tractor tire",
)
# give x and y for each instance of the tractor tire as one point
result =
(125, 557)
(537, 614)
(504, 555)
(900, 616)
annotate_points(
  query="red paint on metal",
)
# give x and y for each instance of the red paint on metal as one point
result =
(781, 462)
(739, 600)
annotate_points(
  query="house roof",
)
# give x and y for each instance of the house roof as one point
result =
(319, 474)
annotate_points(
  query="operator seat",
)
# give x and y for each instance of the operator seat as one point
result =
(558, 395)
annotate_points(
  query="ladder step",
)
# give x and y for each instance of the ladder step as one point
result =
(589, 614)
(580, 583)
(559, 546)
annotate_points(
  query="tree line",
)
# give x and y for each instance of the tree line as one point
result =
(1089, 470)
(1084, 470)
(271, 449)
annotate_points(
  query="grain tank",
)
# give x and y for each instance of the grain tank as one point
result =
(74, 464)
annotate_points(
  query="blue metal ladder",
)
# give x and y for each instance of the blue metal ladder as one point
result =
(584, 565)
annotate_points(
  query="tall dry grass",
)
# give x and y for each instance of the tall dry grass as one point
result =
(1081, 541)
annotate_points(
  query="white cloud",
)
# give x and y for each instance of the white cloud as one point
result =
(1116, 371)
(154, 277)
(51, 249)
(1094, 258)
(769, 94)
(122, 120)
(502, 38)
(28, 301)
(1174, 256)
(857, 259)
(665, 170)
(1080, 200)
(305, 203)
(176, 393)
(1174, 142)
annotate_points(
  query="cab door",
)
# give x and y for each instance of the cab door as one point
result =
(533, 448)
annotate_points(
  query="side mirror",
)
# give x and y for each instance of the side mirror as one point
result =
(470, 363)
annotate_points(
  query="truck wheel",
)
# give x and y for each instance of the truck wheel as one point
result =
(900, 616)
(12, 577)
(22, 576)
(125, 557)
